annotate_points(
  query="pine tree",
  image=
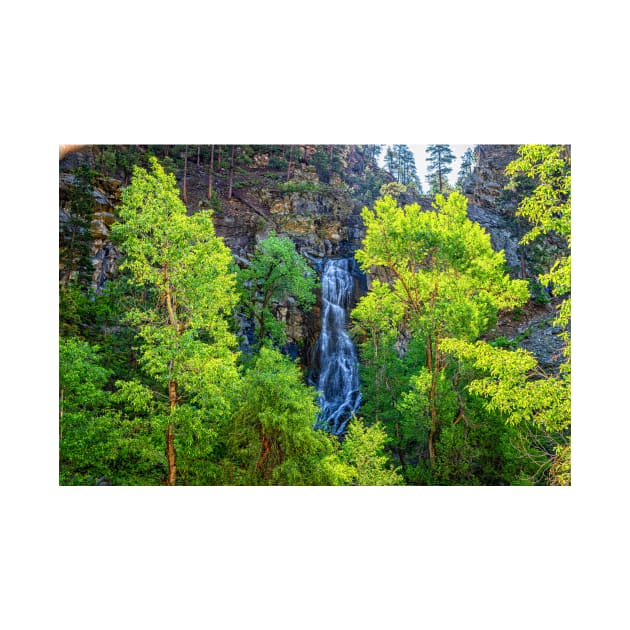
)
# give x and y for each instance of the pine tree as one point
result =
(269, 439)
(466, 168)
(231, 171)
(439, 158)
(211, 172)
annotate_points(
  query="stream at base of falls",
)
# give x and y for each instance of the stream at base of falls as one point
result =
(338, 381)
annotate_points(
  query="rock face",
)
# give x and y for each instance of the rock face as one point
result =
(487, 205)
(106, 196)
(484, 187)
(494, 208)
(323, 220)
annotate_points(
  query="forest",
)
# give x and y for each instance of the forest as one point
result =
(314, 315)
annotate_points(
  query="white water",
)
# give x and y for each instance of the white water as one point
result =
(338, 382)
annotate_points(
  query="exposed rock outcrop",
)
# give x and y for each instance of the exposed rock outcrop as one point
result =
(106, 196)
(494, 208)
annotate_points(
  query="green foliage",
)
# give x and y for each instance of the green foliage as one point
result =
(215, 203)
(363, 451)
(393, 189)
(400, 163)
(548, 208)
(166, 324)
(510, 384)
(275, 273)
(183, 272)
(439, 160)
(99, 442)
(445, 281)
(278, 163)
(446, 275)
(466, 168)
(321, 161)
(270, 437)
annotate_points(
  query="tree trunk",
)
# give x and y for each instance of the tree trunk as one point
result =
(290, 158)
(231, 171)
(185, 166)
(170, 437)
(210, 176)
(433, 367)
(198, 155)
(266, 448)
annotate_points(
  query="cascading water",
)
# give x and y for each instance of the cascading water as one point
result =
(338, 382)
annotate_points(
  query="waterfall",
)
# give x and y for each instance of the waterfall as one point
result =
(338, 382)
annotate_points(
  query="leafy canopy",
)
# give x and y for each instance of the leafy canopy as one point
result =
(445, 276)
(275, 273)
(189, 291)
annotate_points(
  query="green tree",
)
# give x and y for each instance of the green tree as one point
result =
(400, 163)
(363, 451)
(276, 272)
(104, 437)
(528, 396)
(188, 293)
(446, 281)
(393, 189)
(269, 439)
(548, 208)
(511, 382)
(466, 168)
(439, 160)
(321, 161)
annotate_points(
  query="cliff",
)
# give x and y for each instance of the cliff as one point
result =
(289, 192)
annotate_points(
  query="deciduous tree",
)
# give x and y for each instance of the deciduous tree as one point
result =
(445, 277)
(276, 271)
(189, 293)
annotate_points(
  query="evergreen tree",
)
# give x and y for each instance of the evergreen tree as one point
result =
(391, 163)
(439, 159)
(321, 161)
(466, 168)
(270, 438)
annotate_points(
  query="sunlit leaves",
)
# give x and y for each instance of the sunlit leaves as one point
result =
(363, 450)
(445, 274)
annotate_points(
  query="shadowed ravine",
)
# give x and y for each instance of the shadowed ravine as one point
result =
(338, 382)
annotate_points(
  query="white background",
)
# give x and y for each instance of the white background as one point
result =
(325, 72)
